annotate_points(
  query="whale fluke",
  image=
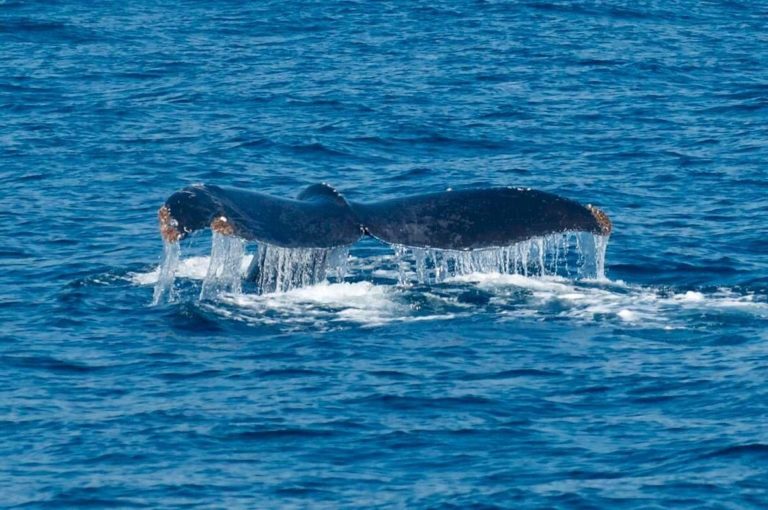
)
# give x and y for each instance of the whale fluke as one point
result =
(320, 217)
(477, 218)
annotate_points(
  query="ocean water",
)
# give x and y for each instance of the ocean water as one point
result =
(644, 389)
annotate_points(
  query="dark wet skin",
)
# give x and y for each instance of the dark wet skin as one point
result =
(320, 217)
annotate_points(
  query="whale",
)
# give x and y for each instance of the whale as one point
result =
(301, 239)
(321, 217)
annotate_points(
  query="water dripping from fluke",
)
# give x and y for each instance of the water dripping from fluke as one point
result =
(224, 274)
(275, 269)
(164, 290)
(576, 255)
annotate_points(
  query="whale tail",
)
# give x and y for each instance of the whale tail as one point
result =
(320, 217)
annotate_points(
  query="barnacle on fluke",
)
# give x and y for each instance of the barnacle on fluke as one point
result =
(602, 219)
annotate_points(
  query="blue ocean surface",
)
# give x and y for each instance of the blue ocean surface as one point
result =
(644, 389)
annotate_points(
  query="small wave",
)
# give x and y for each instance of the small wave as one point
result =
(317, 148)
(608, 12)
(45, 31)
(404, 402)
(756, 450)
(49, 364)
(599, 62)
(511, 374)
(280, 434)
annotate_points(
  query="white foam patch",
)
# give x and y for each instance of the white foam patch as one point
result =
(690, 297)
(589, 299)
(362, 303)
(627, 315)
(192, 268)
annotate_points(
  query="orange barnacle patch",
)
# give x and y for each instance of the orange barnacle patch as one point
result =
(222, 226)
(168, 225)
(602, 219)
